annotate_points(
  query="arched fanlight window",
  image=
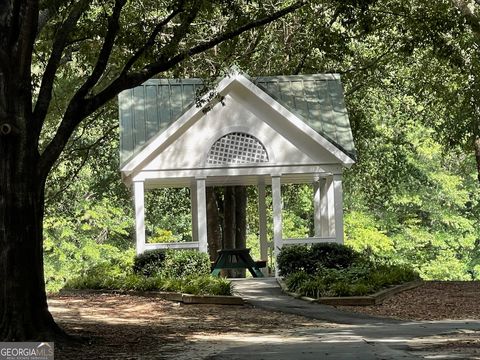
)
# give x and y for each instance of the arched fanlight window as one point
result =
(237, 148)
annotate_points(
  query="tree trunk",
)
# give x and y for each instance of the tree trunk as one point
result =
(229, 218)
(24, 312)
(476, 145)
(240, 222)
(229, 224)
(214, 232)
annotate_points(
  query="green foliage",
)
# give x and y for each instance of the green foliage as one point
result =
(295, 258)
(184, 263)
(363, 278)
(73, 246)
(412, 97)
(150, 262)
(172, 263)
(362, 234)
(333, 255)
(168, 215)
(197, 285)
(161, 236)
(310, 259)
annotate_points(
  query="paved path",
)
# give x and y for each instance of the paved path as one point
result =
(357, 336)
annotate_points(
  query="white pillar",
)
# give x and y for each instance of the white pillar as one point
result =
(193, 199)
(139, 201)
(325, 221)
(330, 205)
(277, 217)
(262, 225)
(317, 214)
(338, 194)
(201, 215)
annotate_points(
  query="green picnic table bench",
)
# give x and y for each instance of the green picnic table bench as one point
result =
(237, 259)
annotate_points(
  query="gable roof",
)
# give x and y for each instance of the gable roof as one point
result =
(318, 101)
(148, 110)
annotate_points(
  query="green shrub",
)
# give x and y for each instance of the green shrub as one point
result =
(149, 263)
(197, 285)
(183, 263)
(311, 259)
(312, 287)
(332, 255)
(295, 280)
(361, 289)
(362, 278)
(295, 258)
(206, 285)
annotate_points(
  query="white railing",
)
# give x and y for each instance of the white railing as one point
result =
(310, 240)
(172, 245)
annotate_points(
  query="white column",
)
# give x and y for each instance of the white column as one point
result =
(139, 201)
(277, 217)
(262, 225)
(193, 199)
(325, 221)
(317, 215)
(201, 215)
(330, 205)
(338, 194)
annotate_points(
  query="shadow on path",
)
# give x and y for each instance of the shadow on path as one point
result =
(355, 336)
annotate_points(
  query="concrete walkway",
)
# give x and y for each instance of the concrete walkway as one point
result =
(356, 336)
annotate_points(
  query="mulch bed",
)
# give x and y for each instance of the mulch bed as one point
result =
(434, 300)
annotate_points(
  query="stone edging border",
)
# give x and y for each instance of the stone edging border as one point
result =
(374, 299)
(170, 296)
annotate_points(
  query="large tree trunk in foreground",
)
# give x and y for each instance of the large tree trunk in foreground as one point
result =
(24, 312)
(23, 305)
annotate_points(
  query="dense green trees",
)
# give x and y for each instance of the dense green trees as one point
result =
(411, 96)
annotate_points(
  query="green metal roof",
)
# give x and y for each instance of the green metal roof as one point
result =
(149, 109)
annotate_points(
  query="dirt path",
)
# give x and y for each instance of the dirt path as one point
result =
(134, 327)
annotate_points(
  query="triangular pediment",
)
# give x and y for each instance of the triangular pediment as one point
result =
(241, 107)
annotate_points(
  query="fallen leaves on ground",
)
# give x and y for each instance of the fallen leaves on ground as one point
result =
(434, 300)
(135, 327)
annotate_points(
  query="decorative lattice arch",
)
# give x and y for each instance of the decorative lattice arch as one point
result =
(237, 148)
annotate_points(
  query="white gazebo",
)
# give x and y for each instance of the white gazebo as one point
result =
(264, 131)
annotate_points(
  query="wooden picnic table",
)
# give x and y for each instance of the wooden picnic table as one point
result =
(237, 259)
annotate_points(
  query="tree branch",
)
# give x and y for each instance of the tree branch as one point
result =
(472, 20)
(102, 60)
(45, 93)
(151, 40)
(81, 107)
(126, 81)
(87, 149)
(75, 109)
